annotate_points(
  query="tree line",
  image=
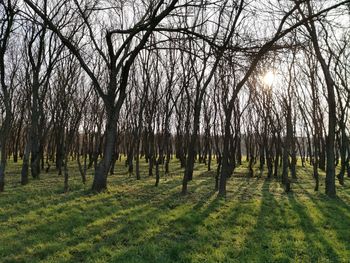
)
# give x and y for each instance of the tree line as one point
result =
(196, 80)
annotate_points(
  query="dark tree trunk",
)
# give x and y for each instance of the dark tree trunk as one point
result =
(151, 158)
(322, 155)
(137, 164)
(101, 171)
(25, 165)
(287, 147)
(315, 163)
(209, 160)
(277, 154)
(225, 165)
(82, 168)
(66, 176)
(343, 159)
(218, 170)
(191, 153)
(5, 132)
(18, 137)
(35, 140)
(157, 173)
(330, 141)
(188, 173)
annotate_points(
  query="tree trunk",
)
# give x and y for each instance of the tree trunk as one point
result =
(25, 165)
(330, 141)
(34, 131)
(277, 155)
(287, 148)
(66, 175)
(188, 173)
(157, 173)
(343, 148)
(218, 170)
(137, 164)
(315, 163)
(225, 155)
(3, 150)
(101, 171)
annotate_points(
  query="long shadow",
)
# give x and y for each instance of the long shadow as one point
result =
(27, 201)
(182, 235)
(177, 235)
(131, 236)
(258, 247)
(143, 223)
(281, 219)
(68, 224)
(326, 204)
(247, 189)
(313, 235)
(26, 193)
(72, 218)
(334, 215)
(189, 220)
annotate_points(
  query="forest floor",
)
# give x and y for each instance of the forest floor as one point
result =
(134, 221)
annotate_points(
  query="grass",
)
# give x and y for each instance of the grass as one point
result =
(136, 222)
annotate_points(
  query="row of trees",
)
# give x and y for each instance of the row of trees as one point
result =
(197, 80)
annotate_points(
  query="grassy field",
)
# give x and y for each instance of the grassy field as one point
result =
(136, 222)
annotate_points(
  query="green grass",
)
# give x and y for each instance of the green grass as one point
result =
(136, 222)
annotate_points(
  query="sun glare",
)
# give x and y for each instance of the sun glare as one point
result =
(269, 78)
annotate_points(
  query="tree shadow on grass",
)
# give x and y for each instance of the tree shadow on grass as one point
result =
(284, 232)
(261, 245)
(328, 206)
(174, 240)
(67, 218)
(137, 222)
(144, 230)
(316, 240)
(107, 220)
(333, 217)
(188, 234)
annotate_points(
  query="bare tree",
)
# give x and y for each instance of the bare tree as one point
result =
(8, 12)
